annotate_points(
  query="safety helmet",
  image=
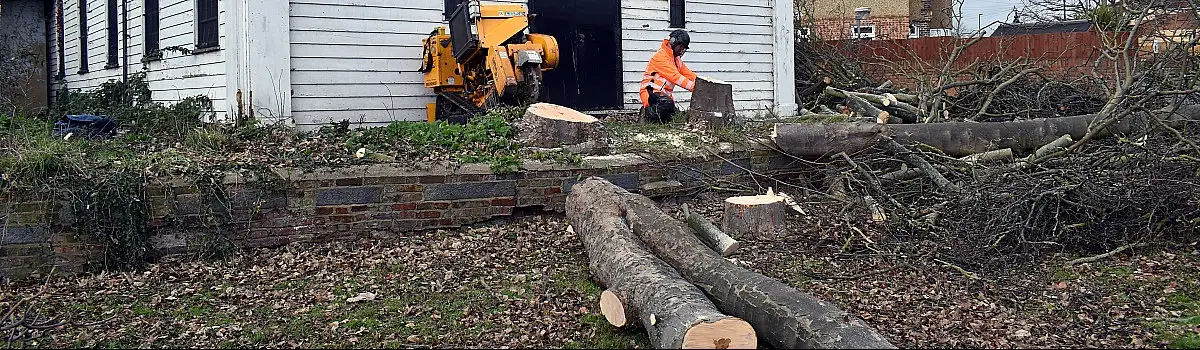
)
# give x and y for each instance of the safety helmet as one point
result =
(680, 37)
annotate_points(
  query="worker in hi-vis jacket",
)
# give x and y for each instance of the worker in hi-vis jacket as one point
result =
(664, 72)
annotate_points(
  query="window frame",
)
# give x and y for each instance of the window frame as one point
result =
(60, 39)
(112, 34)
(858, 34)
(677, 14)
(202, 44)
(83, 37)
(151, 30)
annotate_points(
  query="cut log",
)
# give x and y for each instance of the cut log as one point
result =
(954, 138)
(615, 310)
(989, 156)
(712, 103)
(710, 234)
(674, 312)
(784, 317)
(755, 216)
(1058, 144)
(550, 126)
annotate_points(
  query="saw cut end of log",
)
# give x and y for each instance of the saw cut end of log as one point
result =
(556, 112)
(613, 309)
(727, 333)
(755, 200)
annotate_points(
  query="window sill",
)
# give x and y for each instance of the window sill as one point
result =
(112, 66)
(206, 50)
(82, 71)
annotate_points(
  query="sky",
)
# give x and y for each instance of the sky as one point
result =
(992, 10)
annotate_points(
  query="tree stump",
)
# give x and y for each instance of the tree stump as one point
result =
(675, 313)
(549, 125)
(712, 103)
(758, 216)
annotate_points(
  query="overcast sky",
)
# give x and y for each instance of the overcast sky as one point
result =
(992, 10)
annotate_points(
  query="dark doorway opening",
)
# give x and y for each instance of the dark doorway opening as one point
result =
(588, 32)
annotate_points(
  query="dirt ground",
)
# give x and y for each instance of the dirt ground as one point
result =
(523, 282)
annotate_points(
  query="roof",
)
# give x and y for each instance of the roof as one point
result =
(1076, 26)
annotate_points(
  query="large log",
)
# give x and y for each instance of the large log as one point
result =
(548, 125)
(674, 312)
(712, 103)
(953, 138)
(784, 317)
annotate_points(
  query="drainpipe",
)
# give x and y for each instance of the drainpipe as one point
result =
(51, 42)
(125, 41)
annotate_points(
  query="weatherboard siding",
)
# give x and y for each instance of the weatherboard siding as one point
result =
(176, 76)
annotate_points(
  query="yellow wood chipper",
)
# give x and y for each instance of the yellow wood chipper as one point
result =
(486, 58)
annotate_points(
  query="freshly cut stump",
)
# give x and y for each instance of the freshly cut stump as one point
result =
(712, 103)
(548, 125)
(784, 317)
(710, 234)
(675, 313)
(757, 216)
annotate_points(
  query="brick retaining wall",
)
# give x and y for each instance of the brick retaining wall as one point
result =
(358, 202)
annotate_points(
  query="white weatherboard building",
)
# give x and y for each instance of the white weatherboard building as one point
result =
(317, 61)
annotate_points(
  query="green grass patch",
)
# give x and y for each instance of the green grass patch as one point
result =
(485, 139)
(605, 336)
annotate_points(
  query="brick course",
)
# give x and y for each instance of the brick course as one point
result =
(361, 202)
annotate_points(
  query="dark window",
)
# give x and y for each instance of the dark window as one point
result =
(112, 34)
(207, 34)
(83, 37)
(677, 11)
(60, 38)
(451, 5)
(150, 16)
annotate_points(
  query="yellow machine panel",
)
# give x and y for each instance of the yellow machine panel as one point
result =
(485, 58)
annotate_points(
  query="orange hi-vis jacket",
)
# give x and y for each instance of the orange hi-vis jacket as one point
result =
(664, 72)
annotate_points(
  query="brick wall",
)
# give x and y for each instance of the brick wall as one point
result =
(893, 27)
(361, 202)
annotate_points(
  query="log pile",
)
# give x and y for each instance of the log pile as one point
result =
(993, 192)
(651, 264)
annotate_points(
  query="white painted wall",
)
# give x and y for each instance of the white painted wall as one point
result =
(316, 61)
(732, 40)
(174, 77)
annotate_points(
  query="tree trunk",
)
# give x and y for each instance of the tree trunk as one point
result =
(757, 216)
(954, 138)
(710, 234)
(784, 317)
(616, 310)
(712, 103)
(674, 312)
(550, 126)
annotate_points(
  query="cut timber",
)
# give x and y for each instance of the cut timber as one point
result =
(989, 156)
(674, 312)
(615, 310)
(954, 138)
(710, 234)
(784, 317)
(550, 126)
(712, 103)
(758, 216)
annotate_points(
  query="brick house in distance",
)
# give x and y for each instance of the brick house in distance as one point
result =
(871, 19)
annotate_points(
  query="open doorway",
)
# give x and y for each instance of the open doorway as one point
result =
(588, 32)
